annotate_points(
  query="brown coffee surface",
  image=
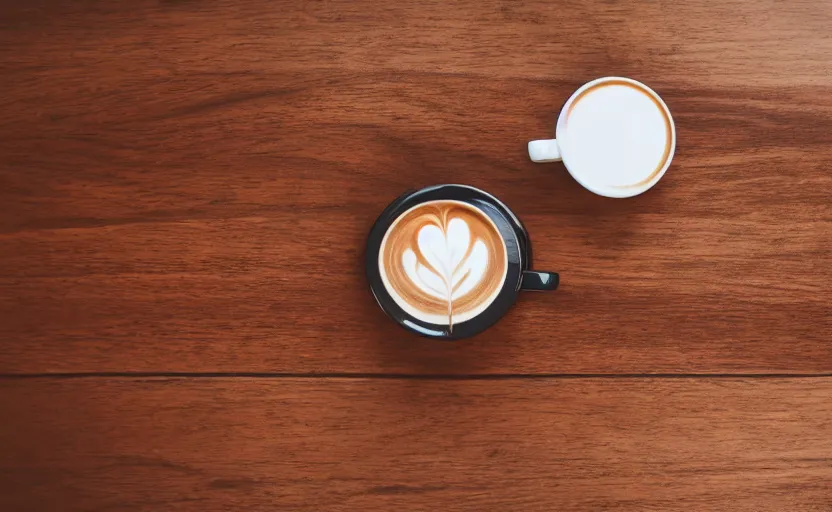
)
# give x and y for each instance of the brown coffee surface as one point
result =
(443, 280)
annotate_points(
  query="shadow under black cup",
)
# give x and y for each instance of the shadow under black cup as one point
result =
(518, 260)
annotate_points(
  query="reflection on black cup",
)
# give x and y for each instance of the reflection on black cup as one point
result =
(448, 261)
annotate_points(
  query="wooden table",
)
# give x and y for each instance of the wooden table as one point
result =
(185, 191)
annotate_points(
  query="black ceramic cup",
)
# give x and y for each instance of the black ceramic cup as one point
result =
(463, 242)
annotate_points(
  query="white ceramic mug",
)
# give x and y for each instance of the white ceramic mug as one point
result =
(615, 136)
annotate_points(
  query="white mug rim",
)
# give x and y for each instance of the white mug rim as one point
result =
(610, 191)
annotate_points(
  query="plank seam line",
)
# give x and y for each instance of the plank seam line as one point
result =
(346, 375)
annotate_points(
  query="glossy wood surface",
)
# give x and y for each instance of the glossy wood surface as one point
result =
(187, 186)
(335, 444)
(185, 191)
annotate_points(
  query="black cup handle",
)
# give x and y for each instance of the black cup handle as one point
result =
(539, 281)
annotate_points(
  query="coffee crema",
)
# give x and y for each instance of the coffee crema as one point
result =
(443, 262)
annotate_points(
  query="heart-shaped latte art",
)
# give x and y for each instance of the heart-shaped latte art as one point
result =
(443, 262)
(451, 263)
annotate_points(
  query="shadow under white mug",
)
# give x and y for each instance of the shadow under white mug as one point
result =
(627, 130)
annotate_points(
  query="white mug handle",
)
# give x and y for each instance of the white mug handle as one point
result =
(544, 151)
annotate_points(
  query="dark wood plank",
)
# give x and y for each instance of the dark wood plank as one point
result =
(186, 186)
(331, 444)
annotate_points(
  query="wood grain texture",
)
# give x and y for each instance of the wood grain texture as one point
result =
(186, 186)
(332, 444)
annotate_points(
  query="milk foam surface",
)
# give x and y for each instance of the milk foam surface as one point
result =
(615, 135)
(454, 267)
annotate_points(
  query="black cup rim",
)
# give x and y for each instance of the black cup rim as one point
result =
(517, 251)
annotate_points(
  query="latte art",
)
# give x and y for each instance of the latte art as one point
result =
(443, 262)
(448, 265)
